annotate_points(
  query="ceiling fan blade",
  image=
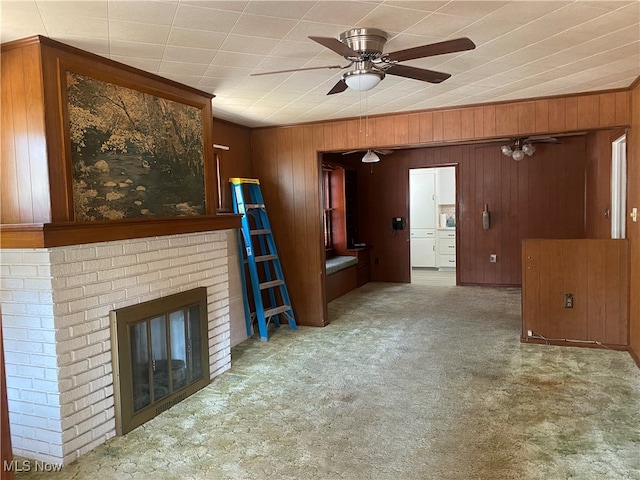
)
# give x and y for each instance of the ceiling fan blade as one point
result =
(294, 70)
(341, 86)
(430, 76)
(336, 45)
(440, 48)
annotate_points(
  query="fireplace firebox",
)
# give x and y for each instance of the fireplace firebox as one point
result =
(159, 355)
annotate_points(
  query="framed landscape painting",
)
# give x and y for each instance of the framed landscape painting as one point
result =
(133, 154)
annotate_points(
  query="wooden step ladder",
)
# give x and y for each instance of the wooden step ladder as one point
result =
(257, 250)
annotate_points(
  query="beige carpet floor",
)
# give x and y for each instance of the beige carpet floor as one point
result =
(407, 382)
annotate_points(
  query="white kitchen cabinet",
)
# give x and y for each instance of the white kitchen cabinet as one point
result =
(422, 191)
(446, 185)
(446, 248)
(423, 248)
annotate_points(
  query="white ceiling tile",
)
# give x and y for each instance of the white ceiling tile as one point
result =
(302, 30)
(288, 48)
(237, 59)
(92, 9)
(261, 26)
(349, 12)
(181, 68)
(138, 32)
(189, 55)
(60, 25)
(99, 46)
(246, 44)
(281, 9)
(147, 11)
(438, 25)
(184, 37)
(232, 5)
(471, 9)
(428, 6)
(392, 19)
(208, 19)
(20, 19)
(152, 51)
(147, 64)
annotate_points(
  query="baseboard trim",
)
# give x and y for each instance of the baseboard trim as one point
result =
(565, 343)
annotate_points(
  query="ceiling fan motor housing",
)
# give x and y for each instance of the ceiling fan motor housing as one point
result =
(366, 41)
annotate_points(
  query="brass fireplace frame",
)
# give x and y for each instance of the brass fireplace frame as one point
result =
(121, 321)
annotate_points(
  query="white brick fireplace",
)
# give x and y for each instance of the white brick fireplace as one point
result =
(55, 321)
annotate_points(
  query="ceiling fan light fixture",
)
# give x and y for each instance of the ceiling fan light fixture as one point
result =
(518, 155)
(528, 149)
(362, 80)
(370, 157)
(506, 150)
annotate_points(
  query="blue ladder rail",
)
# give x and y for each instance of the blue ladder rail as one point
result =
(257, 250)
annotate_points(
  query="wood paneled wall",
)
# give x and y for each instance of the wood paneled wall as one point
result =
(235, 162)
(633, 228)
(595, 272)
(24, 183)
(286, 161)
(539, 197)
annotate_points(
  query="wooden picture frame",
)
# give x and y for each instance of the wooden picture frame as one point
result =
(132, 153)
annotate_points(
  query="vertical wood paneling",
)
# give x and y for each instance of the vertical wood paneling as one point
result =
(10, 113)
(467, 123)
(588, 111)
(526, 117)
(594, 271)
(426, 127)
(452, 125)
(607, 114)
(489, 115)
(384, 132)
(557, 113)
(542, 116)
(438, 126)
(506, 119)
(235, 162)
(623, 104)
(570, 113)
(558, 167)
(414, 128)
(400, 130)
(597, 282)
(478, 122)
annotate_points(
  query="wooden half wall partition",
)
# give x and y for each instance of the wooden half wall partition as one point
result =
(286, 159)
(575, 292)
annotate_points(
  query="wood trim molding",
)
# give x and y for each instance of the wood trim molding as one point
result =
(78, 233)
(569, 343)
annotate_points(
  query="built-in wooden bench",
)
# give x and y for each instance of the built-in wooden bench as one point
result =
(341, 276)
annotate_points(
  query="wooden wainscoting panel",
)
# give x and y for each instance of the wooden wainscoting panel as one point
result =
(595, 272)
(623, 106)
(506, 119)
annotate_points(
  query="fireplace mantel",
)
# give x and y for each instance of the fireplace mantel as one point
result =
(36, 198)
(78, 233)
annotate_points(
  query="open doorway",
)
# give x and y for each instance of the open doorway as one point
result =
(432, 223)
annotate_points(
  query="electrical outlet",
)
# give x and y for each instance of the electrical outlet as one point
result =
(376, 261)
(529, 333)
(568, 300)
(493, 258)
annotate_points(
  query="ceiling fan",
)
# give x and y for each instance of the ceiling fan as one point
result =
(371, 155)
(518, 147)
(363, 47)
